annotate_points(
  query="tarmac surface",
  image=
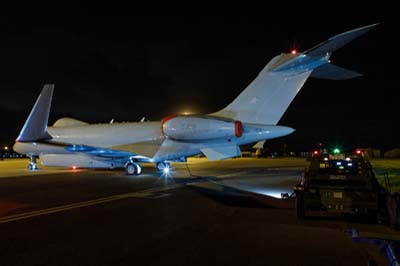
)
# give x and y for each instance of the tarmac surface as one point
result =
(206, 213)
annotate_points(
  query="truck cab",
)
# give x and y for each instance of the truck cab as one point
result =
(339, 183)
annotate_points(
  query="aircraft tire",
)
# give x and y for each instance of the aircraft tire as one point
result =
(32, 166)
(161, 165)
(131, 169)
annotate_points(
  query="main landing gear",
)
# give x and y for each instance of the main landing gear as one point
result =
(33, 165)
(133, 168)
(164, 167)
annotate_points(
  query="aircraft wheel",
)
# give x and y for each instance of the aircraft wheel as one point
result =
(32, 166)
(162, 165)
(131, 169)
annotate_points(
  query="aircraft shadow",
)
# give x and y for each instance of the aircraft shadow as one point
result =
(229, 196)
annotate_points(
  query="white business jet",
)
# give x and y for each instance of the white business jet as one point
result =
(251, 117)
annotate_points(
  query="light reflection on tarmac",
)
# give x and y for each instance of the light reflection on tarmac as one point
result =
(272, 186)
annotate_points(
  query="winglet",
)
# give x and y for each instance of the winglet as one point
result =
(338, 41)
(35, 127)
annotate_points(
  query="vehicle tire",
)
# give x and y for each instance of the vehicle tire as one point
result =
(300, 208)
(131, 169)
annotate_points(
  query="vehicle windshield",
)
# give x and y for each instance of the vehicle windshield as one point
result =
(338, 167)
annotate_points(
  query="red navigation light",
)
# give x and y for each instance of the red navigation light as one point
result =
(315, 152)
(358, 152)
(294, 51)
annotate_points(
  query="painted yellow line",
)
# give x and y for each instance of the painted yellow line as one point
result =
(138, 194)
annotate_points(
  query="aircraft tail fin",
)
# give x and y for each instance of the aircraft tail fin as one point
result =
(267, 97)
(35, 127)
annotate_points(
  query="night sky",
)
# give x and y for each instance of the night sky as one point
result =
(127, 67)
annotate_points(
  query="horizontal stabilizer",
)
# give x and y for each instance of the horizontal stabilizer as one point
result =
(222, 152)
(35, 127)
(266, 98)
(338, 41)
(329, 71)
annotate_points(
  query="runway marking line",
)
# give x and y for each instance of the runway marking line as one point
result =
(137, 194)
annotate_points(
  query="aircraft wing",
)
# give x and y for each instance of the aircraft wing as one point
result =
(144, 148)
(259, 145)
(101, 152)
(221, 152)
(113, 153)
(172, 149)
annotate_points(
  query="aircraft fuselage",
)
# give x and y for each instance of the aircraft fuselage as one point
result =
(148, 137)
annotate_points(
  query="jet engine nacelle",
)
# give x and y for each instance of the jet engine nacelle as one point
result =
(197, 128)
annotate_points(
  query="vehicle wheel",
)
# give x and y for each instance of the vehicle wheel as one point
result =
(300, 208)
(131, 169)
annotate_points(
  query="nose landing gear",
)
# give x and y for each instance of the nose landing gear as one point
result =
(32, 166)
